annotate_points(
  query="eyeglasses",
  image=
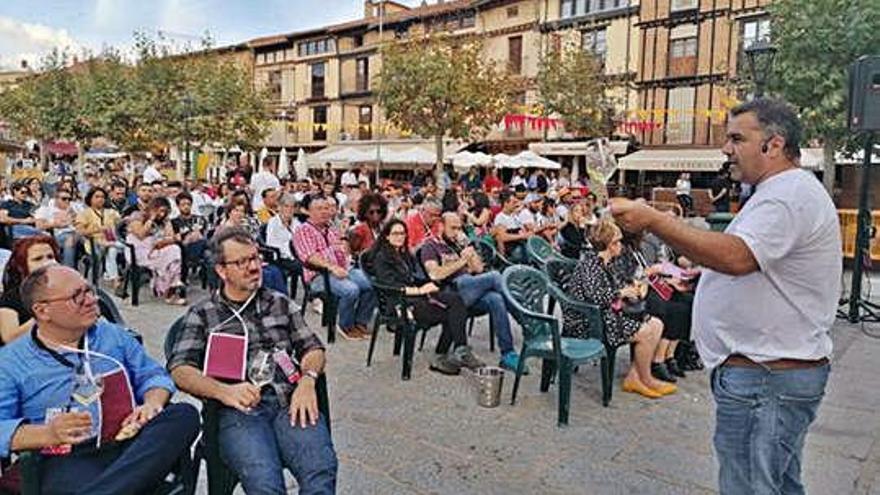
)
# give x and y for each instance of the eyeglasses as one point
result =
(63, 198)
(397, 233)
(243, 263)
(78, 298)
(374, 211)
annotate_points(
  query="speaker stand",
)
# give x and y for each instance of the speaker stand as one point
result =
(860, 309)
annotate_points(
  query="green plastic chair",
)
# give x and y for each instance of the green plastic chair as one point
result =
(558, 270)
(540, 251)
(524, 290)
(221, 479)
(491, 257)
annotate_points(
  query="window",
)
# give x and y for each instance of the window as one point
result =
(469, 20)
(319, 124)
(566, 8)
(680, 5)
(685, 47)
(571, 8)
(755, 30)
(316, 47)
(358, 41)
(512, 12)
(274, 85)
(318, 80)
(514, 54)
(362, 82)
(680, 116)
(365, 121)
(596, 43)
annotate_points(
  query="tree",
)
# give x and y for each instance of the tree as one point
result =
(572, 84)
(817, 41)
(442, 87)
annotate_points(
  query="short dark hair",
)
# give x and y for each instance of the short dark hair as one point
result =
(237, 234)
(266, 192)
(160, 202)
(174, 183)
(182, 196)
(504, 196)
(91, 193)
(776, 118)
(33, 288)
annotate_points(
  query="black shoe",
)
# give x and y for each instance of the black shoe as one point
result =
(659, 371)
(445, 364)
(672, 367)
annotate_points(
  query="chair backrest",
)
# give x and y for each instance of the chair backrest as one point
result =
(559, 271)
(540, 251)
(172, 335)
(108, 308)
(524, 291)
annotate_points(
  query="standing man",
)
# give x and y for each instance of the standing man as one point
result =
(262, 430)
(766, 301)
(719, 195)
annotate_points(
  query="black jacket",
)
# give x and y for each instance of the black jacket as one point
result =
(394, 269)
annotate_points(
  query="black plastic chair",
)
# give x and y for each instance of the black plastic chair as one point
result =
(108, 307)
(221, 479)
(329, 300)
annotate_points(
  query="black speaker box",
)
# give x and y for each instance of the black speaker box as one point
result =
(864, 94)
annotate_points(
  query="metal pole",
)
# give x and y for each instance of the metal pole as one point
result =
(863, 229)
(379, 98)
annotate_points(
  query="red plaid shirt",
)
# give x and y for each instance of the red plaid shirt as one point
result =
(310, 240)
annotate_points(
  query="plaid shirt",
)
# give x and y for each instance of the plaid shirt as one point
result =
(273, 320)
(309, 240)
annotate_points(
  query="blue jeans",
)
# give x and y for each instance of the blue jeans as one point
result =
(357, 300)
(762, 418)
(67, 241)
(258, 446)
(483, 293)
(21, 230)
(136, 466)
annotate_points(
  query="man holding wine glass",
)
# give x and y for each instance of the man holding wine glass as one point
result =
(85, 394)
(240, 347)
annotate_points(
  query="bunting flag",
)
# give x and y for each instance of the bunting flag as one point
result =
(535, 123)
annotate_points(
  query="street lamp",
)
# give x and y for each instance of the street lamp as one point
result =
(187, 102)
(760, 55)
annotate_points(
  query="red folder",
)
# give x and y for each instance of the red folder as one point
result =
(226, 357)
(116, 404)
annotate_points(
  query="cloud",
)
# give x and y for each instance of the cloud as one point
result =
(30, 42)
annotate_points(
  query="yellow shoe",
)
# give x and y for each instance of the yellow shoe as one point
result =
(637, 387)
(666, 389)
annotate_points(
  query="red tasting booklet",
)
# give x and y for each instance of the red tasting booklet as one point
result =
(226, 356)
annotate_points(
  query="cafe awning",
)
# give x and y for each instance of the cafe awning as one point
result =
(697, 160)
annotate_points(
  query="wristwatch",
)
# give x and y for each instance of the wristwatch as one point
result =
(311, 374)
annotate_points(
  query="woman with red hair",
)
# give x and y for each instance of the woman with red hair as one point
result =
(28, 254)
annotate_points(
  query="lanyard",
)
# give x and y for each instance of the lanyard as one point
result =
(57, 356)
(236, 313)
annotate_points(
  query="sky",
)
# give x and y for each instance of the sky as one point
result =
(30, 29)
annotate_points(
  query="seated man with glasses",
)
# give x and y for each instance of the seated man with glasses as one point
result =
(18, 212)
(320, 245)
(85, 393)
(263, 428)
(59, 215)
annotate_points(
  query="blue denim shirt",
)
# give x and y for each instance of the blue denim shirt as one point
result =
(32, 381)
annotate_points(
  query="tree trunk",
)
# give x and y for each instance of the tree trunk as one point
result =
(829, 167)
(438, 167)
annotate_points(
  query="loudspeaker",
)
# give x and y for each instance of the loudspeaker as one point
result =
(864, 94)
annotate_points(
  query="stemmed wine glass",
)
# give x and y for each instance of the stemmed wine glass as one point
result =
(261, 371)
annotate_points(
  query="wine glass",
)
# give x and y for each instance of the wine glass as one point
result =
(262, 369)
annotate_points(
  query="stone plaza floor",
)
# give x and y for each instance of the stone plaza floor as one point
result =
(428, 435)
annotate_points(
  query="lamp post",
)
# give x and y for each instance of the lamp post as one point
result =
(760, 55)
(187, 102)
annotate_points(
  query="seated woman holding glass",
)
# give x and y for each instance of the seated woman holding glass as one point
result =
(155, 246)
(593, 281)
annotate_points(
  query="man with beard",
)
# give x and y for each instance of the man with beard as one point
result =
(449, 261)
(262, 430)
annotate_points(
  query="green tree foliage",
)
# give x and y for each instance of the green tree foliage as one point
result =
(817, 41)
(443, 87)
(572, 85)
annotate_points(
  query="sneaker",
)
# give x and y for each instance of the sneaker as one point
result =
(445, 364)
(465, 357)
(510, 361)
(318, 306)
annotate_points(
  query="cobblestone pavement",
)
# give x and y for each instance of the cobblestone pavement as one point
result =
(428, 435)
